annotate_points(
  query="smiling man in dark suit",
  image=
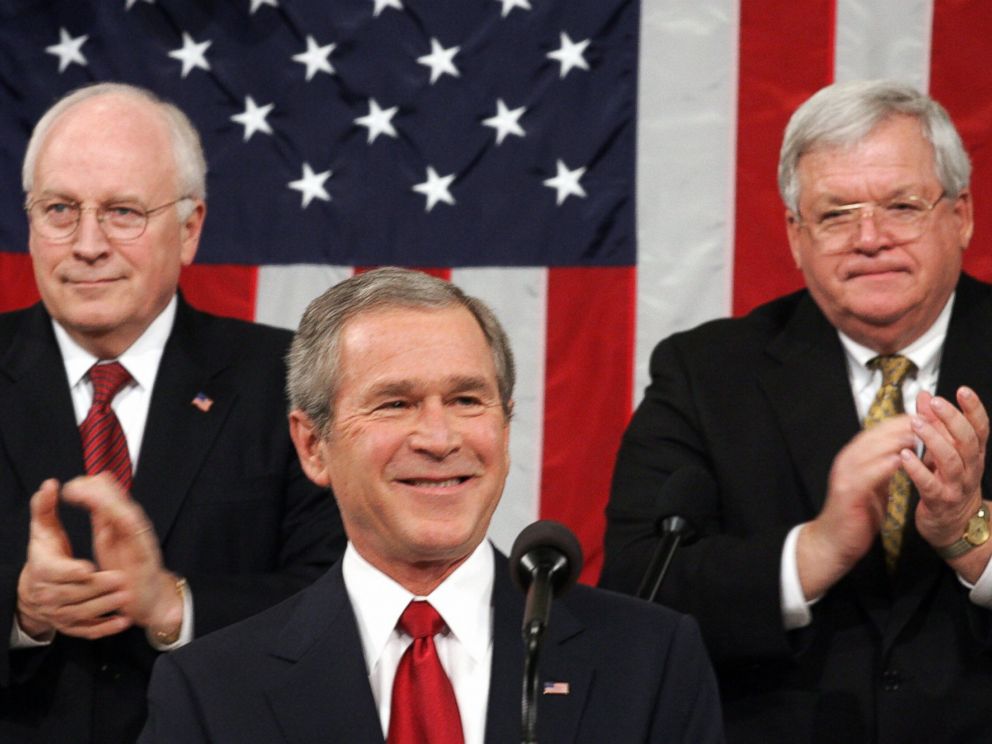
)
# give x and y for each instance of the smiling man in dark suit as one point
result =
(401, 392)
(207, 517)
(842, 578)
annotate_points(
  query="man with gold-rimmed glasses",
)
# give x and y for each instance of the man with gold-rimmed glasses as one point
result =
(171, 502)
(838, 442)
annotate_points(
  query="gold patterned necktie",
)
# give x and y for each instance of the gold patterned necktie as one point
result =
(887, 403)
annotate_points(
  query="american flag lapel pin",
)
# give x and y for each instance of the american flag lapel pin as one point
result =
(556, 688)
(202, 402)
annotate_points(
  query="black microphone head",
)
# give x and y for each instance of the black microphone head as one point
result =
(691, 492)
(546, 539)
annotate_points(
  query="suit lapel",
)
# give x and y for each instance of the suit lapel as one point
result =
(558, 716)
(178, 435)
(809, 391)
(38, 425)
(324, 693)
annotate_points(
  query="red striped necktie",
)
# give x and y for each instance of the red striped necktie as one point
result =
(424, 708)
(104, 444)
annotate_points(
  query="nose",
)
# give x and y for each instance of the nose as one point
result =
(868, 238)
(89, 242)
(435, 431)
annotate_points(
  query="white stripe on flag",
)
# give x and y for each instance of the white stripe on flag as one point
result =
(285, 291)
(883, 39)
(519, 299)
(687, 123)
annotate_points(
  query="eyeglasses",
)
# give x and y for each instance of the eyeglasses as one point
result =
(901, 219)
(57, 219)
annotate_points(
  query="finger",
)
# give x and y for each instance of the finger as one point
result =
(45, 523)
(974, 411)
(58, 569)
(97, 628)
(943, 457)
(926, 482)
(957, 425)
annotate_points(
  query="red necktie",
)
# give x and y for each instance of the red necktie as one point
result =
(424, 708)
(104, 444)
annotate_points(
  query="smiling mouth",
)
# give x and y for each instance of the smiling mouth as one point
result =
(434, 483)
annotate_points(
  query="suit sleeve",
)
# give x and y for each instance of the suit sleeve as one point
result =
(729, 578)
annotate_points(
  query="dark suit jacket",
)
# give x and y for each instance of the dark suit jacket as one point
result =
(224, 489)
(764, 404)
(296, 674)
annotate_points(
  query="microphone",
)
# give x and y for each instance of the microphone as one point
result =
(545, 562)
(689, 490)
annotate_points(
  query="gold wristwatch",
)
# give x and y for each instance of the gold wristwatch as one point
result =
(975, 534)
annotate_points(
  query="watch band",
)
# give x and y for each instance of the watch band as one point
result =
(977, 533)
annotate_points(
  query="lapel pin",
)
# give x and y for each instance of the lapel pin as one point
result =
(556, 688)
(202, 402)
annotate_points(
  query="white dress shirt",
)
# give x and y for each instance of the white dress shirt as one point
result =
(463, 601)
(131, 404)
(925, 353)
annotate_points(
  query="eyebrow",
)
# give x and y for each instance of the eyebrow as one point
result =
(454, 384)
(834, 200)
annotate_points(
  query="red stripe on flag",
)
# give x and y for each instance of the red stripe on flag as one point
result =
(223, 289)
(961, 79)
(786, 54)
(17, 287)
(587, 397)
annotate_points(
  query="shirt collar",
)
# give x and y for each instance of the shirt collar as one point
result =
(463, 600)
(140, 359)
(924, 352)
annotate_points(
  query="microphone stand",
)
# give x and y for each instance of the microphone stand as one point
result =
(673, 531)
(538, 608)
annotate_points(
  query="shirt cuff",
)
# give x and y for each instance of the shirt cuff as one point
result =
(20, 639)
(795, 609)
(185, 628)
(981, 590)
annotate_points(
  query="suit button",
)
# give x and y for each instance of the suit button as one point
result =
(892, 680)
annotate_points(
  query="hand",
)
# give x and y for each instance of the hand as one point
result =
(852, 515)
(56, 592)
(124, 544)
(949, 477)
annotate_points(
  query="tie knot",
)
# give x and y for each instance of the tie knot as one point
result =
(894, 368)
(421, 620)
(107, 380)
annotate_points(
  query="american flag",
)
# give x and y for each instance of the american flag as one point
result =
(507, 145)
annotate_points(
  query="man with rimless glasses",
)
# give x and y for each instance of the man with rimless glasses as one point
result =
(839, 446)
(148, 486)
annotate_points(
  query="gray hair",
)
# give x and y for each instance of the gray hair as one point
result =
(187, 151)
(314, 357)
(844, 114)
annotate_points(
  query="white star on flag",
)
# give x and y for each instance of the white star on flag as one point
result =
(256, 4)
(509, 5)
(311, 185)
(68, 50)
(569, 54)
(378, 121)
(315, 58)
(440, 60)
(566, 182)
(191, 54)
(130, 3)
(505, 122)
(253, 118)
(381, 5)
(435, 188)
